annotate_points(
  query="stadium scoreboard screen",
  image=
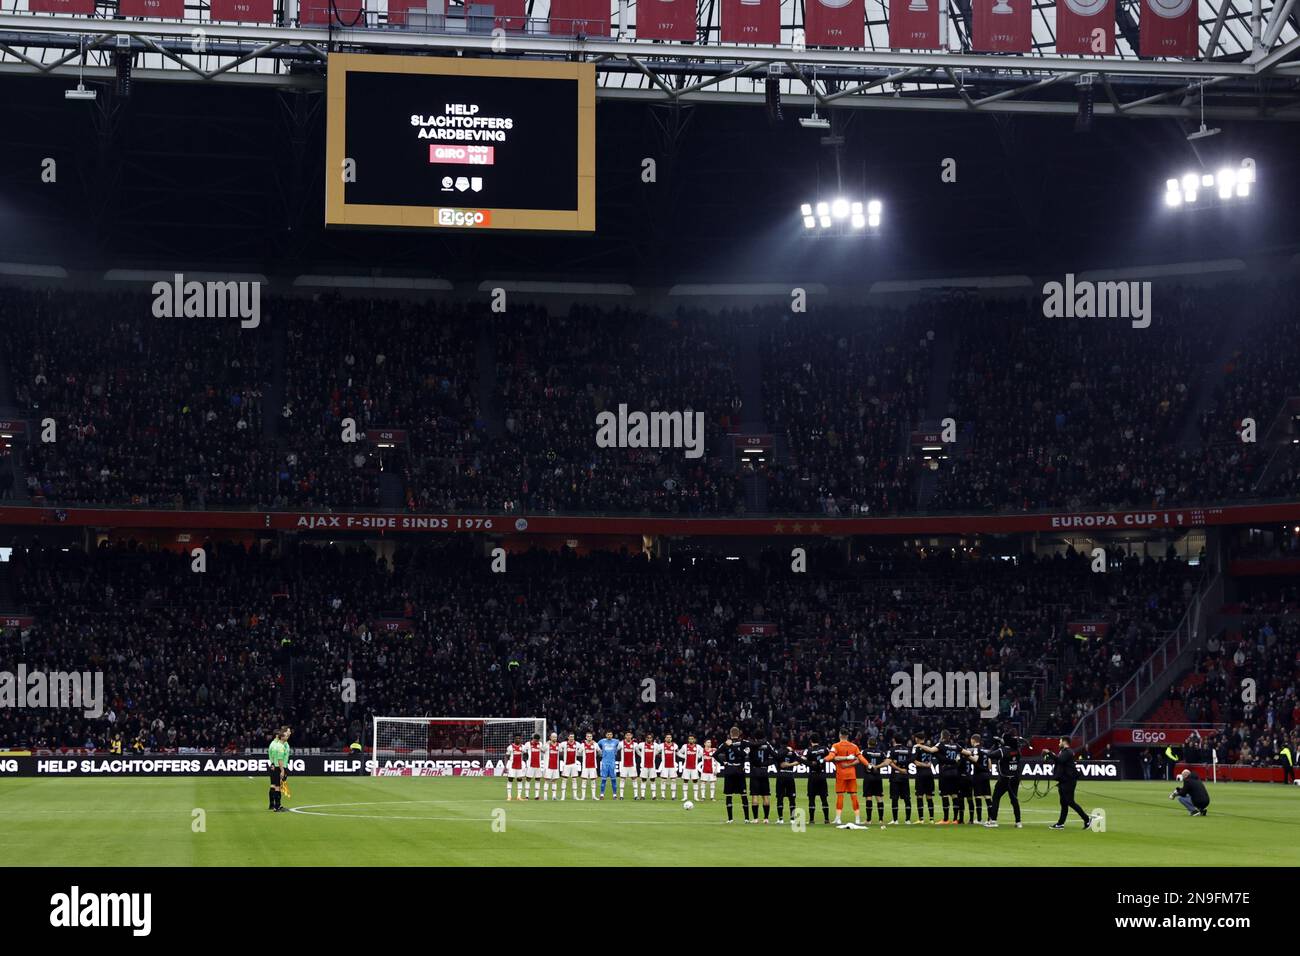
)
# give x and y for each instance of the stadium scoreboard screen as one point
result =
(448, 143)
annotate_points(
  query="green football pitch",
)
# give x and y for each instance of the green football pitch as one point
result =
(467, 822)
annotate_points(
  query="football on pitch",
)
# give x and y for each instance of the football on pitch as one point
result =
(687, 805)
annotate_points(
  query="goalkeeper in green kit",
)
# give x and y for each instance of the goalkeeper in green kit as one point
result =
(278, 754)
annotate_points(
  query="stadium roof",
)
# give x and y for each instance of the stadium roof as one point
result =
(1246, 70)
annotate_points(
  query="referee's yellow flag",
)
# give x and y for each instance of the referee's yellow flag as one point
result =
(284, 789)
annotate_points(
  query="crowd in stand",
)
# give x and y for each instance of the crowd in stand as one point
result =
(556, 373)
(1263, 716)
(218, 659)
(846, 395)
(146, 411)
(499, 410)
(1064, 413)
(383, 365)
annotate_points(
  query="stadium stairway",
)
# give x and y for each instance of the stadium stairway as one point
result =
(273, 400)
(1199, 622)
(749, 378)
(1277, 437)
(945, 356)
(12, 474)
(1212, 376)
(1045, 717)
(392, 490)
(485, 359)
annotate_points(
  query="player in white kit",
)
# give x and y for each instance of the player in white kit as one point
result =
(569, 768)
(515, 768)
(590, 766)
(668, 768)
(627, 751)
(691, 755)
(551, 768)
(708, 770)
(534, 751)
(648, 751)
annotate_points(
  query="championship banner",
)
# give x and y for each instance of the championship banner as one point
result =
(246, 11)
(914, 25)
(588, 17)
(1002, 26)
(835, 23)
(751, 21)
(82, 8)
(510, 14)
(1085, 26)
(346, 13)
(1168, 28)
(158, 9)
(665, 20)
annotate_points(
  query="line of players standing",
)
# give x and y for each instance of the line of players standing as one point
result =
(648, 767)
(964, 773)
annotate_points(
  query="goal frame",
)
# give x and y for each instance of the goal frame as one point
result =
(538, 722)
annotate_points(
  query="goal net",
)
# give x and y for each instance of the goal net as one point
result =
(447, 746)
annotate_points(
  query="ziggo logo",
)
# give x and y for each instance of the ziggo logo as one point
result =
(468, 218)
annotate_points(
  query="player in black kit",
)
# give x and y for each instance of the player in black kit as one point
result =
(948, 753)
(731, 758)
(978, 771)
(924, 765)
(897, 761)
(815, 758)
(1006, 757)
(761, 756)
(873, 783)
(786, 761)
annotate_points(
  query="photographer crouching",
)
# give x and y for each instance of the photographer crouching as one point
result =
(1192, 794)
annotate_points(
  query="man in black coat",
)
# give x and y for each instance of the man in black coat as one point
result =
(1066, 777)
(1192, 794)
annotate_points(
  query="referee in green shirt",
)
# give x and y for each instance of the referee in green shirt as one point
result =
(278, 753)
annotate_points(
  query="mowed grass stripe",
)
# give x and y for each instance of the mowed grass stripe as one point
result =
(449, 822)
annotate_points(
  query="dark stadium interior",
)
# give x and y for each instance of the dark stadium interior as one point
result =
(1056, 418)
(142, 179)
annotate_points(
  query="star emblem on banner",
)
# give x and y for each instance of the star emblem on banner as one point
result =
(797, 527)
(778, 527)
(815, 528)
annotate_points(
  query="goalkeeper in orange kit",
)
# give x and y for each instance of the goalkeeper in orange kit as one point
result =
(846, 756)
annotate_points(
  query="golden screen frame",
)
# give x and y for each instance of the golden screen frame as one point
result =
(338, 212)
